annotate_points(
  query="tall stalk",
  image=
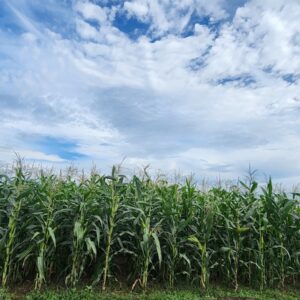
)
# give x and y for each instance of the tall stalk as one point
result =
(12, 228)
(46, 231)
(113, 210)
(16, 196)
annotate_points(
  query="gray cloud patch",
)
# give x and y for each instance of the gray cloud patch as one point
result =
(154, 127)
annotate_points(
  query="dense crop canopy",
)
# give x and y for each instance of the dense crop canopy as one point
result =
(100, 229)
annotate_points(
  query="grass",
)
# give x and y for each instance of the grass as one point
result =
(191, 294)
(109, 230)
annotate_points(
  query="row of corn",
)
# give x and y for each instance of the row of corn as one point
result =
(111, 230)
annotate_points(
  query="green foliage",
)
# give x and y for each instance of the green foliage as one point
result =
(210, 294)
(4, 295)
(104, 230)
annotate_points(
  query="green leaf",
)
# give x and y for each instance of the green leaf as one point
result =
(158, 249)
(52, 235)
(91, 246)
(225, 249)
(78, 231)
(195, 240)
(242, 229)
(40, 265)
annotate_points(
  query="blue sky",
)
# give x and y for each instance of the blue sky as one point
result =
(194, 86)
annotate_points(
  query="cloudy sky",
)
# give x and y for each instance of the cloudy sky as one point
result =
(188, 85)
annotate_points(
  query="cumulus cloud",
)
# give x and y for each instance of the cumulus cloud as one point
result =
(173, 16)
(91, 11)
(205, 87)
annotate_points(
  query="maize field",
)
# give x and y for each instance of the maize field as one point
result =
(112, 230)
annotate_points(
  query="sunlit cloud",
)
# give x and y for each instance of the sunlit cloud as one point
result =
(197, 86)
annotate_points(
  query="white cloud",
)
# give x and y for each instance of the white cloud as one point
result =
(87, 31)
(211, 102)
(173, 16)
(91, 11)
(138, 9)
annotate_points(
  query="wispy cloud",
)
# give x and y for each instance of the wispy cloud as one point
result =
(205, 87)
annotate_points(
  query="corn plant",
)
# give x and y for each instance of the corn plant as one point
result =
(44, 234)
(87, 229)
(15, 196)
(201, 238)
(112, 195)
(176, 262)
(146, 230)
(92, 229)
